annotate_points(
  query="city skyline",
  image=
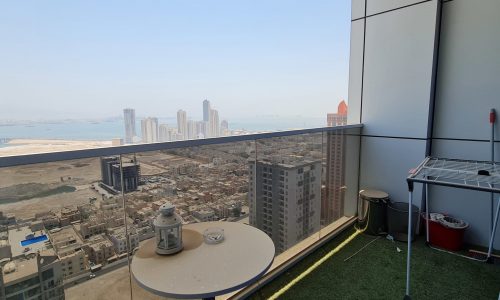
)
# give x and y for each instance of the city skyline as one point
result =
(153, 131)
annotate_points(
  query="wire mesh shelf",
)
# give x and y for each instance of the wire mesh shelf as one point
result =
(465, 174)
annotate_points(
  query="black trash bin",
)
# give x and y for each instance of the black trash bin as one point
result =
(372, 211)
(397, 220)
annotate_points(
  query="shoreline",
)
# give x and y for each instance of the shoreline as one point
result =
(34, 146)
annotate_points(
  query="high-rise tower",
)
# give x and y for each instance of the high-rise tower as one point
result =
(332, 202)
(129, 119)
(213, 124)
(182, 127)
(206, 110)
(284, 199)
(149, 128)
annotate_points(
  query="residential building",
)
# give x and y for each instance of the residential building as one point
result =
(149, 128)
(69, 214)
(107, 164)
(201, 129)
(37, 277)
(5, 249)
(164, 133)
(224, 128)
(182, 127)
(116, 142)
(100, 249)
(92, 227)
(332, 201)
(284, 199)
(131, 174)
(119, 239)
(191, 132)
(213, 124)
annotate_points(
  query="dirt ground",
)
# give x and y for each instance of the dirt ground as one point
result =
(81, 171)
(76, 173)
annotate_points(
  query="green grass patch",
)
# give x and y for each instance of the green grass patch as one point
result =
(26, 191)
(379, 272)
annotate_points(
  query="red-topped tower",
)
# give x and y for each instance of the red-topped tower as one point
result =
(340, 118)
(332, 200)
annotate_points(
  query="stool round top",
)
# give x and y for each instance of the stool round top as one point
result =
(373, 194)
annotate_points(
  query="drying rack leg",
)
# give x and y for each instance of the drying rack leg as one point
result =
(426, 213)
(492, 237)
(409, 245)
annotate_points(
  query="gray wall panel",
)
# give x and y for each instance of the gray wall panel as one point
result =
(385, 164)
(351, 174)
(355, 72)
(469, 69)
(464, 149)
(357, 9)
(398, 71)
(378, 6)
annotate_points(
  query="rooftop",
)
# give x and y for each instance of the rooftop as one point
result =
(21, 268)
(16, 235)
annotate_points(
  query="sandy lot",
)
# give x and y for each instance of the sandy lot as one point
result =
(75, 173)
(30, 146)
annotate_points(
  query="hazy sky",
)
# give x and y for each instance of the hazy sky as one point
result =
(83, 59)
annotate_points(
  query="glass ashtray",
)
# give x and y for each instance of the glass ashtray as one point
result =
(213, 235)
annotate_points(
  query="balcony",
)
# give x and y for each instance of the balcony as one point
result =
(91, 199)
(422, 80)
(36, 201)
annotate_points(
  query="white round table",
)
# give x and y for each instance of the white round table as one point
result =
(204, 270)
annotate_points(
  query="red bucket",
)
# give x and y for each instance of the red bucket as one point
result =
(446, 232)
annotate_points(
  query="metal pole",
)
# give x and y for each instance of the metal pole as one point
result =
(409, 246)
(492, 144)
(427, 212)
(495, 223)
(124, 202)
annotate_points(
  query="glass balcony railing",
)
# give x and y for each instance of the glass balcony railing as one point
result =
(82, 214)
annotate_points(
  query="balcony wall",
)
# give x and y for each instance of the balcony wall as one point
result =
(423, 77)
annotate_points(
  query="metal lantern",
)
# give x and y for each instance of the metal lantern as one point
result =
(168, 230)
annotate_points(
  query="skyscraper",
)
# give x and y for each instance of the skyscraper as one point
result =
(149, 128)
(129, 119)
(163, 133)
(338, 119)
(224, 128)
(182, 128)
(107, 169)
(201, 130)
(191, 132)
(332, 203)
(284, 199)
(206, 110)
(213, 124)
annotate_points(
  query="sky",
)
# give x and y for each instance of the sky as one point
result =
(91, 59)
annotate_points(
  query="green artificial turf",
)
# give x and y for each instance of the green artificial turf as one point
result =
(379, 272)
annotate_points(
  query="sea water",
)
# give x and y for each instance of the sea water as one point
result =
(115, 128)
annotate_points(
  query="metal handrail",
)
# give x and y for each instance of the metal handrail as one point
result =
(26, 159)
